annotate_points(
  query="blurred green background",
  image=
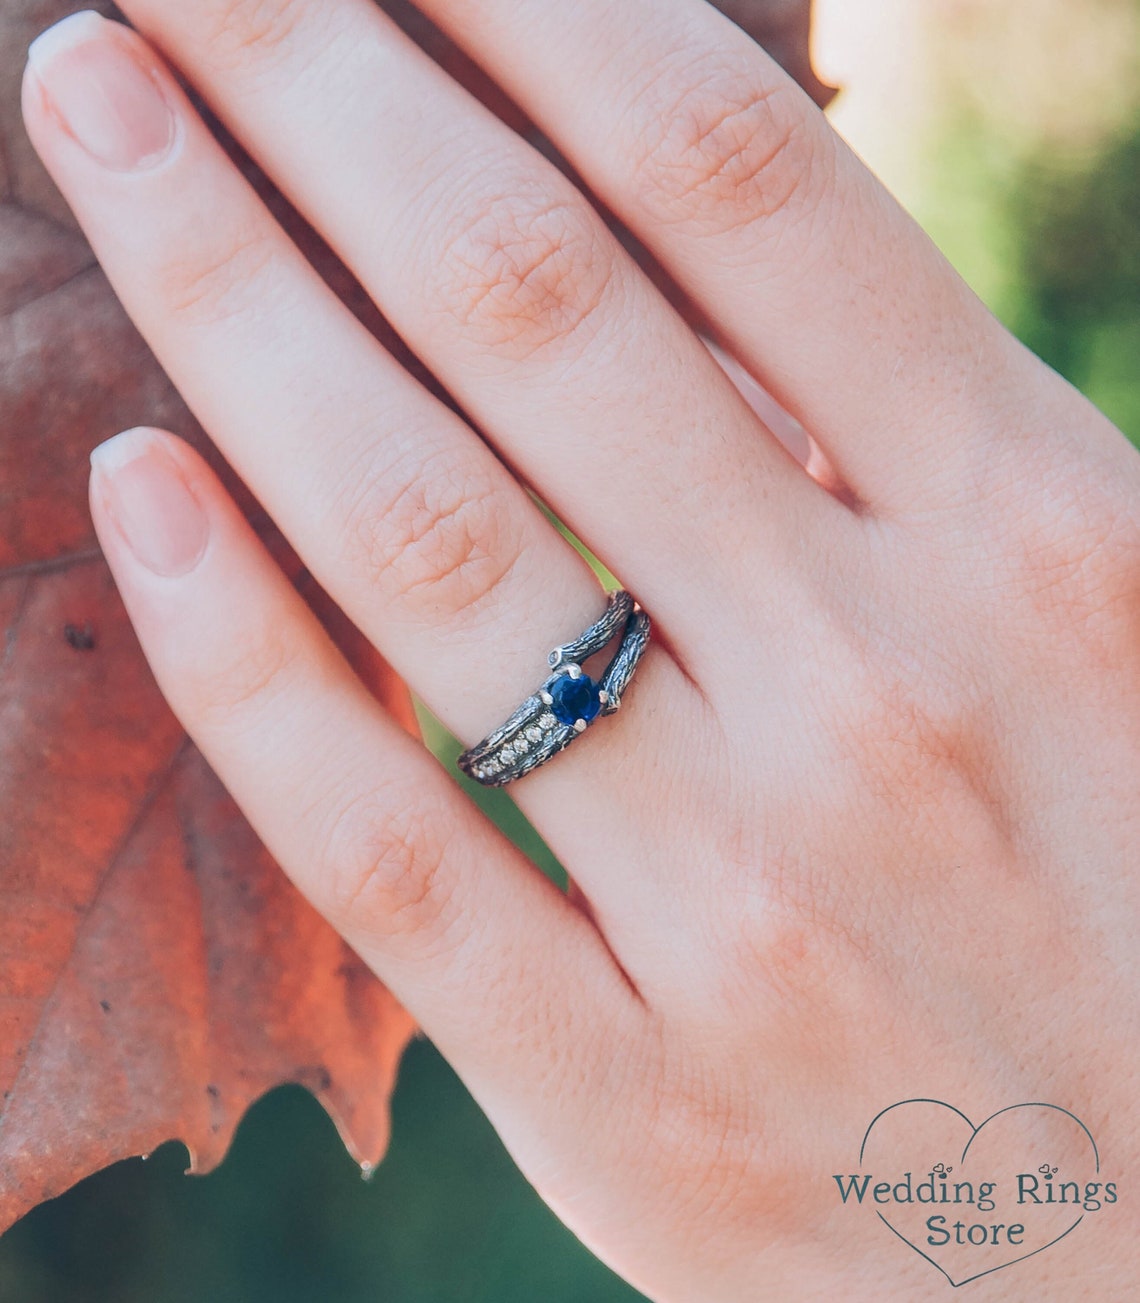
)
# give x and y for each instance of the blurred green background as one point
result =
(1043, 220)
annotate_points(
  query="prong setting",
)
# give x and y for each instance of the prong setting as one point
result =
(563, 707)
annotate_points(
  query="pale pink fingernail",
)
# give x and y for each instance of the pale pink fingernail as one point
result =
(142, 489)
(102, 95)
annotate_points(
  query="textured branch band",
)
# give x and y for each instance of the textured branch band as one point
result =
(568, 702)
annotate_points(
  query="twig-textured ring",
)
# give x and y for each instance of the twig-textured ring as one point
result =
(568, 702)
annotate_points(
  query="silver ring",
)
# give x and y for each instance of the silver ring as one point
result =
(568, 702)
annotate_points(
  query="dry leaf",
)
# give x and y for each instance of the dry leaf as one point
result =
(157, 972)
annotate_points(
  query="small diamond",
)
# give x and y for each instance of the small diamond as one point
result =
(507, 754)
(534, 733)
(521, 745)
(547, 721)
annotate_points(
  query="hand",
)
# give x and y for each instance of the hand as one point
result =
(866, 826)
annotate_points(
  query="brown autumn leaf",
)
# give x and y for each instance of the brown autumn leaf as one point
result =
(157, 972)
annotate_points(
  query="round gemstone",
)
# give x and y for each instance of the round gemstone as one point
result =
(574, 699)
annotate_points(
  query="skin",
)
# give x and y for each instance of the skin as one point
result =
(866, 826)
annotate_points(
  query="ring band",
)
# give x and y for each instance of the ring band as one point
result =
(568, 702)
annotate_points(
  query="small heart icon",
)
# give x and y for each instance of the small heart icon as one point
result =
(973, 1200)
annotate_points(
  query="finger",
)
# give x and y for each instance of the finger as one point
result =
(409, 521)
(469, 936)
(831, 295)
(402, 513)
(503, 278)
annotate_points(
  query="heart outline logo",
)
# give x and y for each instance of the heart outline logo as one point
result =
(974, 1132)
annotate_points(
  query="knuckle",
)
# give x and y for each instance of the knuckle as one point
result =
(704, 1139)
(1076, 555)
(520, 271)
(211, 285)
(237, 28)
(718, 147)
(238, 685)
(888, 716)
(443, 541)
(383, 867)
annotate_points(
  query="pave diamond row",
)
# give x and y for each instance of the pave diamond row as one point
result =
(535, 733)
(530, 738)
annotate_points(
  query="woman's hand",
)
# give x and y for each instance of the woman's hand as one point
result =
(866, 826)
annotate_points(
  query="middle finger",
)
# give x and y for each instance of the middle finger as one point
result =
(505, 281)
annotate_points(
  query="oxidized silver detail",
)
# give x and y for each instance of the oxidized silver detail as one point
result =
(533, 734)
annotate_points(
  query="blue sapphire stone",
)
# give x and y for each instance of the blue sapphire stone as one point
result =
(574, 699)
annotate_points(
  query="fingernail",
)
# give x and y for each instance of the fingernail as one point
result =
(142, 490)
(107, 100)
